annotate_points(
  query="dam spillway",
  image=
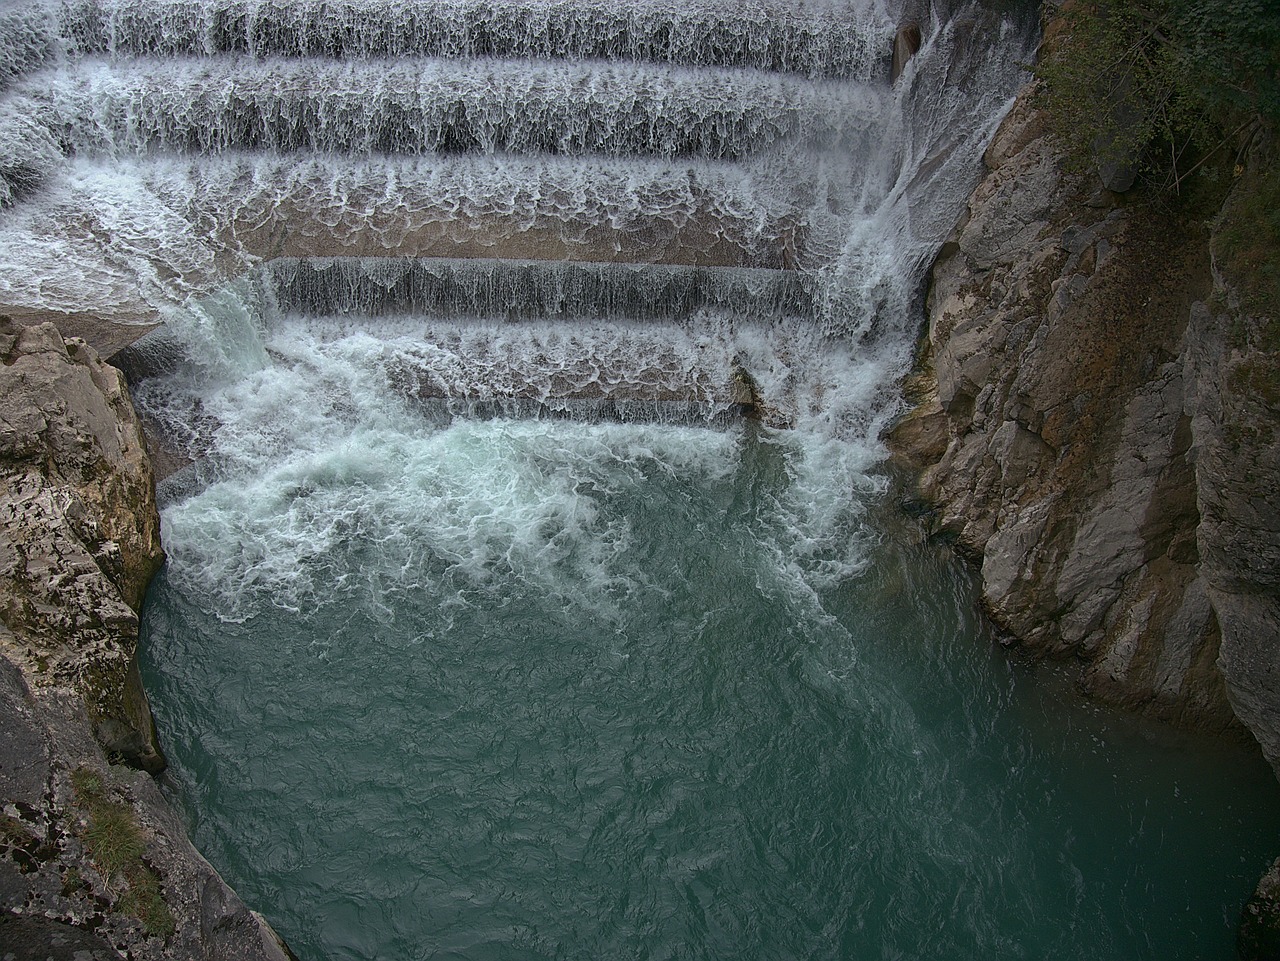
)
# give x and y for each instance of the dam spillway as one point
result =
(165, 148)
(490, 628)
(156, 152)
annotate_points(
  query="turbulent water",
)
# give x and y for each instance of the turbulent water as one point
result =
(519, 689)
(490, 627)
(444, 686)
(565, 701)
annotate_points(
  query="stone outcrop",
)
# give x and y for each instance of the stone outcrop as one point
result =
(1093, 434)
(79, 541)
(79, 531)
(1234, 362)
(57, 898)
(1259, 935)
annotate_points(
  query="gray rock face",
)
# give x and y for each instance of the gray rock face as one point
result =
(1235, 407)
(79, 540)
(42, 939)
(1117, 490)
(56, 901)
(79, 531)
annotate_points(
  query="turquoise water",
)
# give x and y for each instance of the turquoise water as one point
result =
(516, 689)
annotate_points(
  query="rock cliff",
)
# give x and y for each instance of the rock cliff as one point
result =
(79, 532)
(93, 862)
(1097, 425)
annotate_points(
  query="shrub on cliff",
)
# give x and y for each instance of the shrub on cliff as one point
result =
(117, 846)
(1161, 84)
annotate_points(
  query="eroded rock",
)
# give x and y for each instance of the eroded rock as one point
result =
(906, 44)
(1110, 449)
(79, 531)
(1078, 392)
(1235, 407)
(1259, 937)
(79, 540)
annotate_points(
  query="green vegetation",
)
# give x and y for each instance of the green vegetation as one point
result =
(113, 838)
(116, 844)
(88, 785)
(1170, 84)
(1247, 247)
(13, 831)
(145, 901)
(72, 882)
(1187, 94)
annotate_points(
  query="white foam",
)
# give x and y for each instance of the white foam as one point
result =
(132, 237)
(479, 504)
(313, 443)
(818, 37)
(101, 239)
(424, 105)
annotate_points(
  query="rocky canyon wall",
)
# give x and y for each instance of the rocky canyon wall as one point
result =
(93, 862)
(1097, 425)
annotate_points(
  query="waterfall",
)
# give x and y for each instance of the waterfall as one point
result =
(152, 152)
(649, 212)
(819, 39)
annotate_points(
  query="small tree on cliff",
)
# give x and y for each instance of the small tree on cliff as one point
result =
(1161, 84)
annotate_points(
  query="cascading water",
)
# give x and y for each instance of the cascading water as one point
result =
(490, 628)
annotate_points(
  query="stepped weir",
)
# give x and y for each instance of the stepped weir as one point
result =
(699, 167)
(519, 369)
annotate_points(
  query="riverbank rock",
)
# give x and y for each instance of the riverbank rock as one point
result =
(1097, 461)
(93, 862)
(1097, 424)
(1259, 937)
(79, 531)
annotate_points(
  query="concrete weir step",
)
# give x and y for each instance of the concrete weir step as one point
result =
(161, 147)
(150, 230)
(481, 338)
(593, 370)
(629, 209)
(824, 39)
(438, 106)
(527, 290)
(566, 303)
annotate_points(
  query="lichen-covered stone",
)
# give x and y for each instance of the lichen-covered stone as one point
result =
(79, 540)
(54, 900)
